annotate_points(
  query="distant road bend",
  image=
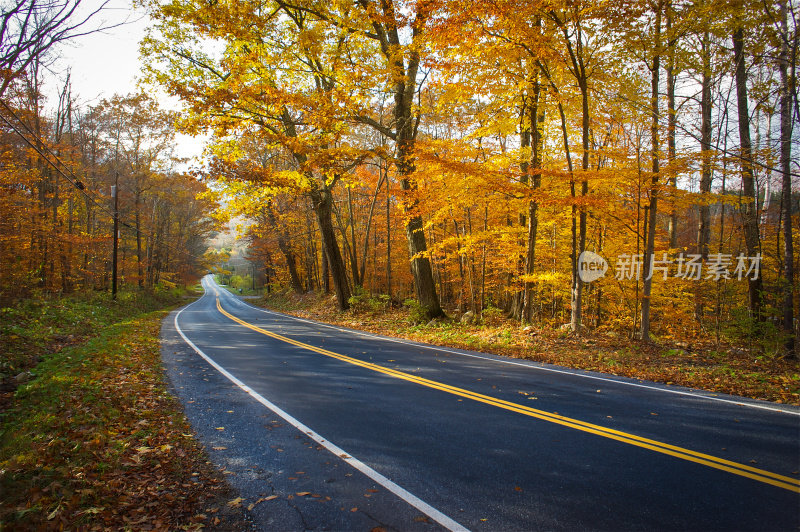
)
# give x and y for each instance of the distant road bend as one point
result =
(326, 428)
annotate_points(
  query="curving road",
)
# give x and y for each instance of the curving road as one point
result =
(323, 428)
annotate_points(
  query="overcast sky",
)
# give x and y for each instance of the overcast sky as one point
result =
(106, 63)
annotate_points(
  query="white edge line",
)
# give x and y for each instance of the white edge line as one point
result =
(521, 364)
(404, 494)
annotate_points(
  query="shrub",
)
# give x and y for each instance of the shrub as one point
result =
(417, 312)
(363, 301)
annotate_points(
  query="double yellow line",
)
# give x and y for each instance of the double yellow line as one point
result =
(743, 470)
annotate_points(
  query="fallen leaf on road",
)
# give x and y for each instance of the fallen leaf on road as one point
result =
(235, 503)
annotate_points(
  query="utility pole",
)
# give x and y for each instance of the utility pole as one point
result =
(116, 236)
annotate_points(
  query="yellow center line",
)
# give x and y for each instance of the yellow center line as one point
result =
(736, 468)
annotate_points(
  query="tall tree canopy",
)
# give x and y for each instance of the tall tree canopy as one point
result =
(519, 147)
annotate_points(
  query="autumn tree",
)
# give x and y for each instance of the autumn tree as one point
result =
(29, 29)
(294, 108)
(788, 46)
(385, 44)
(749, 205)
(140, 135)
(57, 174)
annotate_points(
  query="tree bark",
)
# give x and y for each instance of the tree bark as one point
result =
(578, 233)
(388, 237)
(365, 249)
(704, 228)
(786, 192)
(322, 201)
(653, 205)
(137, 220)
(357, 278)
(537, 143)
(286, 249)
(749, 209)
(404, 73)
(672, 124)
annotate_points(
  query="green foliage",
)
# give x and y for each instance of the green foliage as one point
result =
(764, 336)
(36, 326)
(363, 301)
(417, 312)
(493, 316)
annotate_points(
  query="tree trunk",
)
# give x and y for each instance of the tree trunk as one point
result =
(348, 248)
(326, 278)
(704, 229)
(286, 249)
(137, 219)
(580, 246)
(357, 280)
(388, 238)
(537, 143)
(672, 124)
(653, 206)
(526, 123)
(579, 70)
(749, 208)
(786, 204)
(322, 201)
(365, 249)
(404, 73)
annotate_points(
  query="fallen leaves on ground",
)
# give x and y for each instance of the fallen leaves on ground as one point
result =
(96, 441)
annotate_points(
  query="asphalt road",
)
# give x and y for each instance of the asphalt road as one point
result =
(323, 428)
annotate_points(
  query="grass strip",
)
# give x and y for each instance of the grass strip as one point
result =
(95, 441)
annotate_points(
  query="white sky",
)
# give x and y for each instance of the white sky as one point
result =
(106, 63)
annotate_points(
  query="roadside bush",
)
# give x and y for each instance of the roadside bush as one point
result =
(765, 337)
(417, 312)
(363, 301)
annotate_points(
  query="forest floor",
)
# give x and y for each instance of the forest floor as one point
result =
(746, 371)
(90, 437)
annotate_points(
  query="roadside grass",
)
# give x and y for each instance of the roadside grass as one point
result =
(702, 364)
(94, 440)
(245, 291)
(40, 325)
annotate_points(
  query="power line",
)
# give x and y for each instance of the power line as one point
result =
(71, 179)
